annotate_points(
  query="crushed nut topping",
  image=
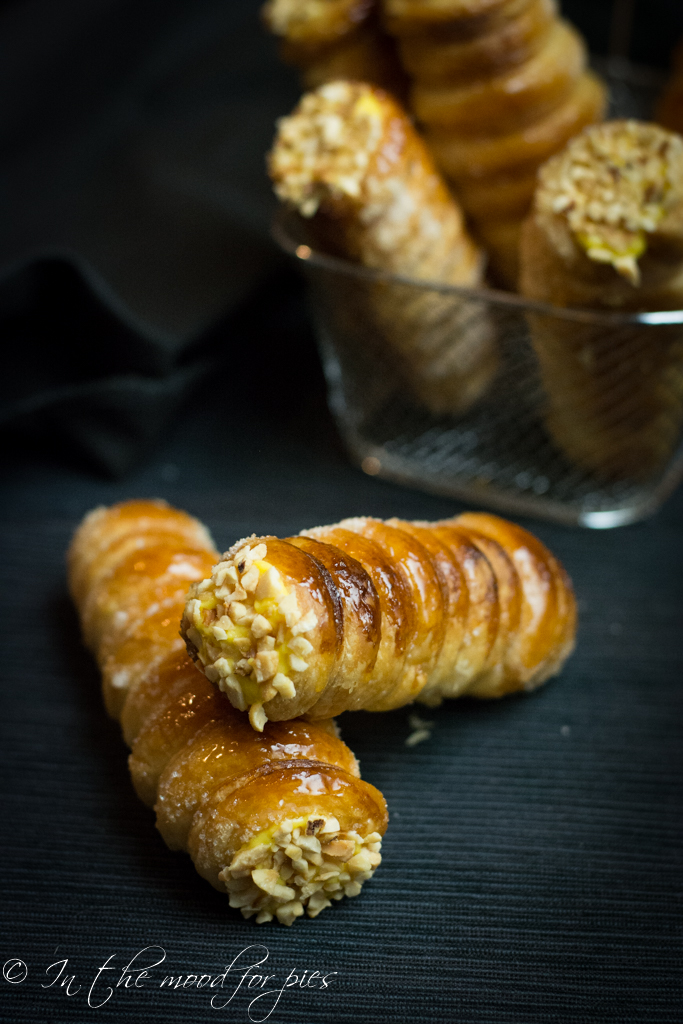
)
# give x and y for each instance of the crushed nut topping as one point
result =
(613, 185)
(244, 627)
(326, 145)
(300, 865)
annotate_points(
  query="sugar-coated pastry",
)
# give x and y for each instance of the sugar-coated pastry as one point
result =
(349, 161)
(606, 233)
(372, 614)
(498, 85)
(279, 820)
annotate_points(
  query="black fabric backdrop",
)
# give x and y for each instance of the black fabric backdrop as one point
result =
(532, 866)
(135, 206)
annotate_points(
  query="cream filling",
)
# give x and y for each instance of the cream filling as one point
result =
(244, 626)
(300, 864)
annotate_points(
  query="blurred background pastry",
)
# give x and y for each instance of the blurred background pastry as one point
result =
(330, 39)
(499, 86)
(606, 233)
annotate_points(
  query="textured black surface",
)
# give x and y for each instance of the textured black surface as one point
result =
(532, 866)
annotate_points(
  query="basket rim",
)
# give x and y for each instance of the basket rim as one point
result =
(284, 234)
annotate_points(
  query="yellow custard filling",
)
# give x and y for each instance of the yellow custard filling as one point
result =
(244, 626)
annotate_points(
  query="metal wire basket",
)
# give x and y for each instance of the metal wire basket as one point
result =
(570, 415)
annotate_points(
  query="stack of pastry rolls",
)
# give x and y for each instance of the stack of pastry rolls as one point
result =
(278, 820)
(372, 614)
(606, 233)
(331, 39)
(499, 86)
(349, 161)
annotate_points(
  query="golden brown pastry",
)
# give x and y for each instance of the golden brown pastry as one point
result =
(331, 39)
(350, 162)
(606, 233)
(498, 86)
(280, 820)
(670, 107)
(371, 614)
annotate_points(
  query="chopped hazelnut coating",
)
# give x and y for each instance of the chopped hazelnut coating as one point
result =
(299, 865)
(350, 152)
(367, 614)
(613, 185)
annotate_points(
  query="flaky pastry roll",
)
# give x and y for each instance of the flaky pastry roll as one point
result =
(498, 87)
(467, 50)
(349, 161)
(278, 820)
(371, 614)
(606, 233)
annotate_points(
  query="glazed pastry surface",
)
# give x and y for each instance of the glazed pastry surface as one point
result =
(279, 820)
(498, 85)
(373, 614)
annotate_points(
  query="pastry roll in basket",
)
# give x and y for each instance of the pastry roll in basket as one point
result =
(371, 614)
(350, 162)
(499, 85)
(330, 39)
(606, 233)
(280, 820)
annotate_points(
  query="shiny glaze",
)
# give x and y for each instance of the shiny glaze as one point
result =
(548, 612)
(175, 720)
(228, 748)
(356, 589)
(107, 535)
(455, 595)
(411, 560)
(240, 809)
(361, 627)
(168, 678)
(141, 583)
(481, 628)
(509, 590)
(396, 609)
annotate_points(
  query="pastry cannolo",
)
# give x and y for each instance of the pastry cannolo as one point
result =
(670, 107)
(331, 39)
(374, 615)
(606, 233)
(281, 820)
(499, 86)
(350, 162)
